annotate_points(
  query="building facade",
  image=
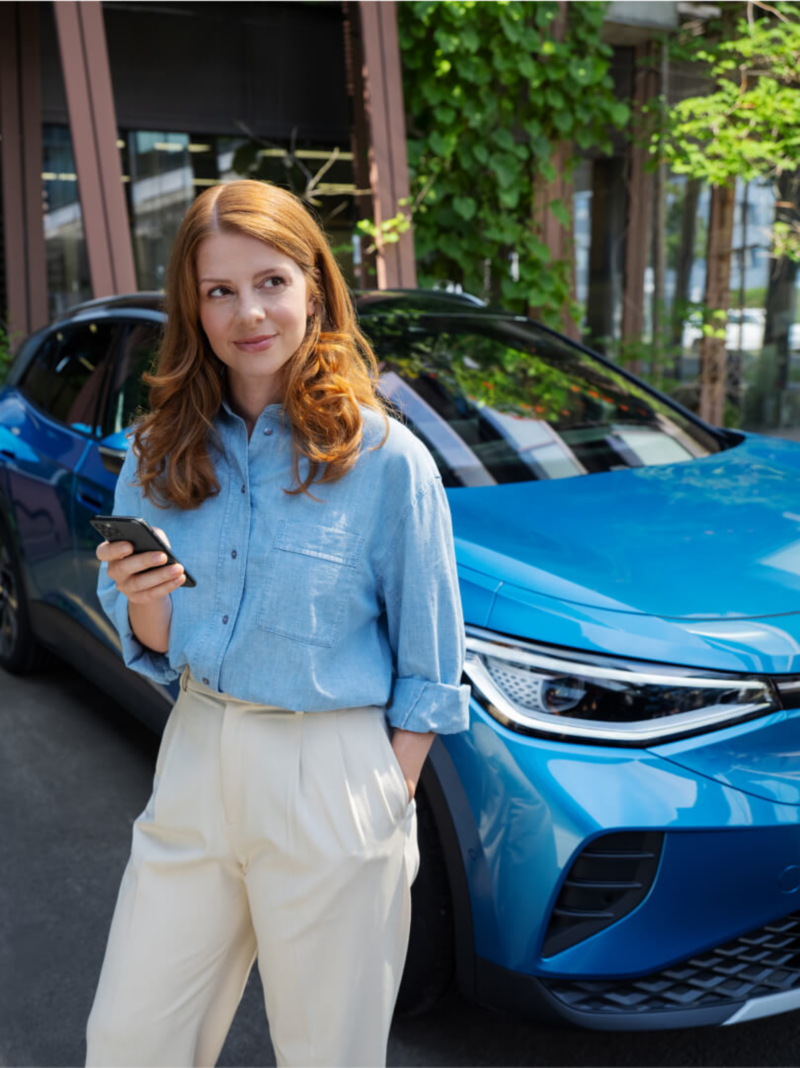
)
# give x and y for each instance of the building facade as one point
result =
(115, 115)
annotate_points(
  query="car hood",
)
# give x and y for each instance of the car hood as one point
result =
(712, 538)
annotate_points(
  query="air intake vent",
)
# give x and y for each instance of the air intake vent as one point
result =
(607, 880)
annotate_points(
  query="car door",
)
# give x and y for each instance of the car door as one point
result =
(54, 413)
(98, 469)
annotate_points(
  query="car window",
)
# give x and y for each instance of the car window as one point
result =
(65, 377)
(503, 401)
(128, 394)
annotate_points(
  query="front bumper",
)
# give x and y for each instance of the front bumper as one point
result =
(729, 873)
(755, 975)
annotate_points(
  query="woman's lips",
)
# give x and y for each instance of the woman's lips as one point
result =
(256, 344)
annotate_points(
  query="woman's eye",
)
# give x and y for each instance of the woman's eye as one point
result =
(266, 284)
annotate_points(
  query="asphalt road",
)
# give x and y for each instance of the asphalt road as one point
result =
(74, 774)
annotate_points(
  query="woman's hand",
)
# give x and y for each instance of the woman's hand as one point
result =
(411, 749)
(128, 570)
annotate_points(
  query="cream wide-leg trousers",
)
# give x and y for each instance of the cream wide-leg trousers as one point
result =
(286, 836)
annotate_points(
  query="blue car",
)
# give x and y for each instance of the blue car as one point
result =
(615, 841)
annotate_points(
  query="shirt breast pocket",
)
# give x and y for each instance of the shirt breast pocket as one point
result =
(310, 570)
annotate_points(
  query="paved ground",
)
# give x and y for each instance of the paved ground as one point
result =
(73, 777)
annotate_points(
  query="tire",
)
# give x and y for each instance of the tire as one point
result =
(430, 963)
(20, 652)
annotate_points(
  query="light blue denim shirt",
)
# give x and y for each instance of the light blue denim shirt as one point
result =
(312, 605)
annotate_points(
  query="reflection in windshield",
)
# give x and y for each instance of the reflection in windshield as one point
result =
(499, 400)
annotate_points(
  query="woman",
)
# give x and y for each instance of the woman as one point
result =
(282, 821)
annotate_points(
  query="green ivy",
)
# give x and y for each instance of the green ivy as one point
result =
(489, 93)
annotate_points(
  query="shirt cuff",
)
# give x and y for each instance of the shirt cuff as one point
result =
(136, 656)
(421, 705)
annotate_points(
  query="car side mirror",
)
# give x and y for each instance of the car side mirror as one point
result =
(113, 450)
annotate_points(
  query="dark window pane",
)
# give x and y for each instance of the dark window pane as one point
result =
(65, 378)
(502, 401)
(128, 392)
(37, 380)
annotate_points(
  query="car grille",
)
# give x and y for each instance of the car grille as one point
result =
(766, 961)
(606, 881)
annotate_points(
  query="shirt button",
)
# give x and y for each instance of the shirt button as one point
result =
(244, 489)
(224, 619)
(233, 553)
(267, 430)
(205, 682)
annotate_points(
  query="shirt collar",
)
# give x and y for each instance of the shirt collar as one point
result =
(270, 411)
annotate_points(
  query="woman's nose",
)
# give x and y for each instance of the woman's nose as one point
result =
(249, 308)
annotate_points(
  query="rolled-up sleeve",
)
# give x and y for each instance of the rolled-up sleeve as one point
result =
(127, 501)
(419, 585)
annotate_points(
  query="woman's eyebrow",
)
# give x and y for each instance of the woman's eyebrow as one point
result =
(258, 274)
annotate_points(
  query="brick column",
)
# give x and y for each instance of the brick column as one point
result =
(385, 119)
(93, 126)
(21, 147)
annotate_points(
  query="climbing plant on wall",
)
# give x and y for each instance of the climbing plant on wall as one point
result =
(490, 90)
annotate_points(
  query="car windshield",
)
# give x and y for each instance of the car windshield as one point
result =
(498, 400)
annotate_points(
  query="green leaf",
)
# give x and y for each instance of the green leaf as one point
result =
(540, 147)
(560, 212)
(443, 144)
(506, 174)
(581, 71)
(563, 121)
(509, 198)
(470, 39)
(512, 30)
(503, 139)
(548, 171)
(584, 137)
(481, 153)
(539, 250)
(444, 114)
(544, 15)
(465, 206)
(620, 113)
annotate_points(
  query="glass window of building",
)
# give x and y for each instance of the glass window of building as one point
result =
(65, 244)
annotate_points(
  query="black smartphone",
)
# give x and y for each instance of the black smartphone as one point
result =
(140, 534)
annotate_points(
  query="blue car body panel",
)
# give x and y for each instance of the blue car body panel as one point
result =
(662, 541)
(761, 757)
(536, 802)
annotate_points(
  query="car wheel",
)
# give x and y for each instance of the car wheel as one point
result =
(20, 652)
(430, 962)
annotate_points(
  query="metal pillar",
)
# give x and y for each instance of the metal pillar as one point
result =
(93, 127)
(388, 162)
(21, 147)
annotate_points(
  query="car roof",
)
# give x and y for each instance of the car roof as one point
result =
(368, 301)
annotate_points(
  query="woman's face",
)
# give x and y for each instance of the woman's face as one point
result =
(253, 307)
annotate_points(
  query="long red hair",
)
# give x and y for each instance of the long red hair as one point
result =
(333, 371)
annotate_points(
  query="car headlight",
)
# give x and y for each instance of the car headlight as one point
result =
(583, 697)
